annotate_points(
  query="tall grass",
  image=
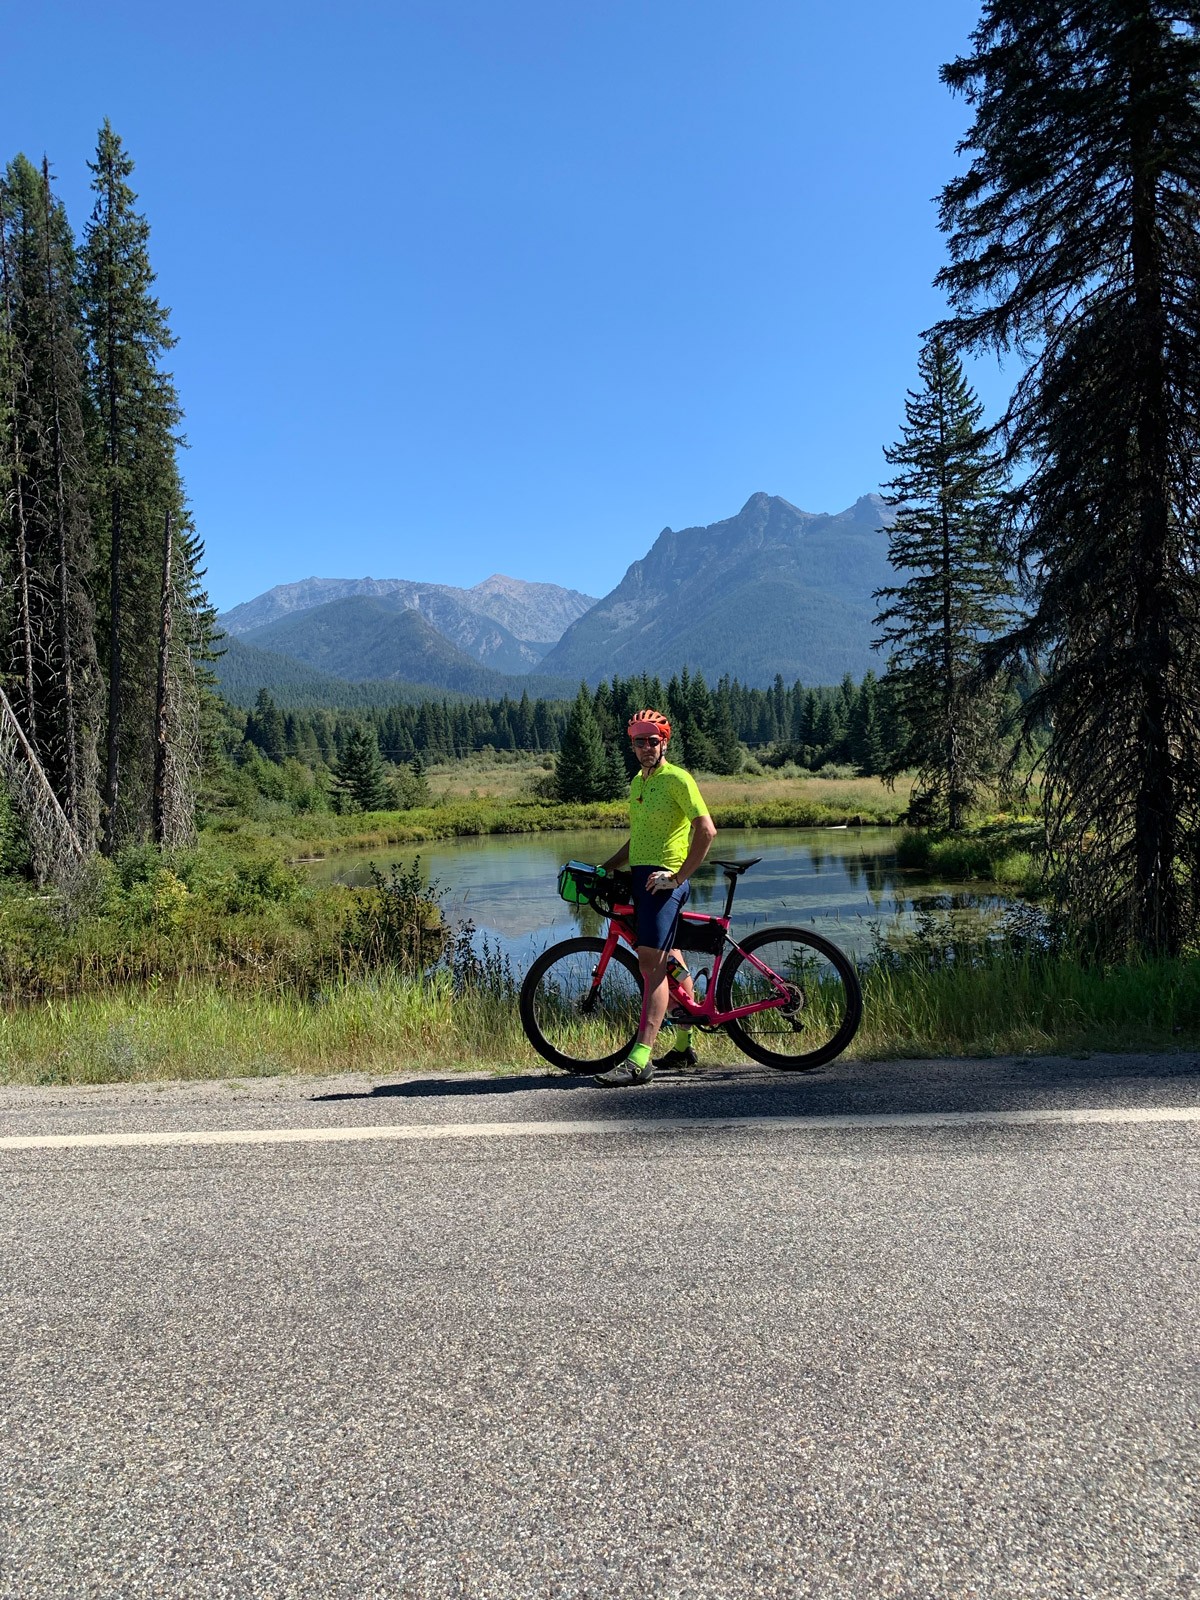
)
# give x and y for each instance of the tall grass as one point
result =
(381, 1024)
(809, 804)
(1007, 853)
(250, 923)
(1020, 1003)
(387, 1024)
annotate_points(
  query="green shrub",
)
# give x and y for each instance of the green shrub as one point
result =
(396, 923)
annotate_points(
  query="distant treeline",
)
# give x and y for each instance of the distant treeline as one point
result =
(850, 722)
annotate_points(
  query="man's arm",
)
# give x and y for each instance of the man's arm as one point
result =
(619, 860)
(704, 831)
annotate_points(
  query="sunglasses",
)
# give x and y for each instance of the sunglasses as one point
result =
(645, 741)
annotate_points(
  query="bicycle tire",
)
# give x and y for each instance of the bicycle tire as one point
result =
(551, 1000)
(828, 1005)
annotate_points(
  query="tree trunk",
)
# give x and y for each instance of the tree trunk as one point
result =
(54, 847)
(71, 795)
(1157, 912)
(24, 617)
(115, 686)
(161, 730)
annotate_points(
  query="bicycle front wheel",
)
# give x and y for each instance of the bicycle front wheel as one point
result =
(569, 1019)
(824, 1007)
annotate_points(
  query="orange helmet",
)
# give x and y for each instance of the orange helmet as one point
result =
(648, 724)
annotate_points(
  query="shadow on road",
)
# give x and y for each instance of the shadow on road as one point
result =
(843, 1088)
(441, 1088)
(522, 1083)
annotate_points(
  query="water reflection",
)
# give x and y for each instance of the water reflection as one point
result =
(844, 882)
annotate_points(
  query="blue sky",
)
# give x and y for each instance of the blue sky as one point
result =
(464, 286)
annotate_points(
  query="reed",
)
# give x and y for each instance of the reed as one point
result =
(1007, 853)
(386, 1024)
(1019, 1003)
(767, 804)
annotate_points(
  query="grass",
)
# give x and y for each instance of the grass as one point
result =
(498, 801)
(1018, 1004)
(1007, 853)
(197, 1030)
(220, 962)
(385, 1024)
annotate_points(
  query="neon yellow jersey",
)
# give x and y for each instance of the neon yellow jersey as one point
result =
(662, 809)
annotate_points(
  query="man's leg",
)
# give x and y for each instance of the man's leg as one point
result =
(638, 1067)
(684, 984)
(679, 1053)
(656, 920)
(656, 994)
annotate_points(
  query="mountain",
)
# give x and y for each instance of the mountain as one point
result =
(505, 623)
(772, 590)
(363, 636)
(242, 670)
(364, 639)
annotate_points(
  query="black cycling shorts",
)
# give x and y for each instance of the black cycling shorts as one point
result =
(657, 914)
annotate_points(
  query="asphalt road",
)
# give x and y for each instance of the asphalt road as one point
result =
(722, 1359)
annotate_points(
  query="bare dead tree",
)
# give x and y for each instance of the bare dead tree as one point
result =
(76, 673)
(16, 496)
(55, 850)
(181, 773)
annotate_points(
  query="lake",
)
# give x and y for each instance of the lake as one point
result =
(842, 881)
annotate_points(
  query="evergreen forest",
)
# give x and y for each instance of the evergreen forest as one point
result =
(298, 755)
(105, 626)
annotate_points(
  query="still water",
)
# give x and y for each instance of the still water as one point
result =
(842, 881)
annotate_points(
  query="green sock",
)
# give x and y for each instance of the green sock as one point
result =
(640, 1054)
(682, 1040)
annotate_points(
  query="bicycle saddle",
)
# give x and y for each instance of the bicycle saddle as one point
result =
(736, 868)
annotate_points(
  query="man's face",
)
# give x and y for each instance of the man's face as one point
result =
(646, 748)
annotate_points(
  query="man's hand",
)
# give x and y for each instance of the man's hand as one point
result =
(662, 882)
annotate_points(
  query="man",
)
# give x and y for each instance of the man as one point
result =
(670, 833)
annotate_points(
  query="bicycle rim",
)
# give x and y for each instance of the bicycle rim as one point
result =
(567, 1021)
(824, 1010)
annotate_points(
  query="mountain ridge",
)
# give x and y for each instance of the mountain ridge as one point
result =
(505, 623)
(771, 590)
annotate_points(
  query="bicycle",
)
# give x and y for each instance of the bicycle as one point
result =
(787, 997)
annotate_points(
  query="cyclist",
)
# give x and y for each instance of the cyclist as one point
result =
(670, 833)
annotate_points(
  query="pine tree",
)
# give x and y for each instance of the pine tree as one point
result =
(829, 729)
(410, 787)
(797, 724)
(545, 733)
(44, 531)
(864, 736)
(956, 595)
(582, 771)
(701, 716)
(1073, 241)
(21, 627)
(266, 728)
(138, 497)
(361, 781)
(727, 752)
(679, 715)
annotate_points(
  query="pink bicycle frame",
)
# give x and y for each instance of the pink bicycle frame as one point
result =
(620, 928)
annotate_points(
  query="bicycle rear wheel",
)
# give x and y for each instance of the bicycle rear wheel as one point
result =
(822, 1015)
(570, 1021)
